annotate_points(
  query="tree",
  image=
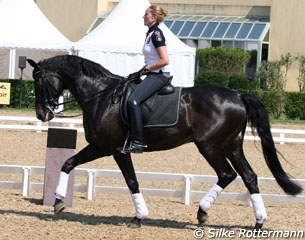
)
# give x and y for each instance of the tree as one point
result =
(301, 77)
(273, 74)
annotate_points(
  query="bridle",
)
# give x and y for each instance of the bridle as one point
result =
(53, 104)
(50, 102)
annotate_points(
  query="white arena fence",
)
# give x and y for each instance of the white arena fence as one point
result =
(186, 193)
(33, 124)
(281, 136)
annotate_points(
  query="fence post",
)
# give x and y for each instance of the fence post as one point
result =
(90, 184)
(39, 126)
(26, 181)
(282, 138)
(187, 190)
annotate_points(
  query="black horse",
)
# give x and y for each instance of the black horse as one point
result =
(212, 117)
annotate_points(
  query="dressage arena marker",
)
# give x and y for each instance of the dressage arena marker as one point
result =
(61, 145)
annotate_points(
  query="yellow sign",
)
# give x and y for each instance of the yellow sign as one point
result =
(5, 92)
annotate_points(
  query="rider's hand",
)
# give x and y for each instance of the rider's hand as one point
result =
(143, 71)
(136, 75)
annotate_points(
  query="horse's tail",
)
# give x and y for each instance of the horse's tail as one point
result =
(258, 118)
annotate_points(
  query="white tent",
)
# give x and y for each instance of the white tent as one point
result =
(117, 44)
(24, 27)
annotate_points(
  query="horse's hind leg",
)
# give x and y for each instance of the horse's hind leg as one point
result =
(225, 174)
(89, 153)
(241, 165)
(125, 164)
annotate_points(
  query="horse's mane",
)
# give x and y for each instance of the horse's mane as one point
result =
(75, 64)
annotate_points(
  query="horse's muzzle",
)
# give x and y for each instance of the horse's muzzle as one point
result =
(45, 116)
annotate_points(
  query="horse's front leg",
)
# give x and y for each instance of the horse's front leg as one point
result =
(89, 153)
(125, 164)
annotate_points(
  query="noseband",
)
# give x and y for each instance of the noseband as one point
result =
(50, 102)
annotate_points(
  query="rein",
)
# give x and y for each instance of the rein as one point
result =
(87, 99)
(53, 104)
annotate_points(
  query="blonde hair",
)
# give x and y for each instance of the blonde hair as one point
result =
(159, 12)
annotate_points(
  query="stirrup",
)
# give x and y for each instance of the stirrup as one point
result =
(133, 147)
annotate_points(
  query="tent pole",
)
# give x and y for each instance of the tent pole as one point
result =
(21, 89)
(11, 74)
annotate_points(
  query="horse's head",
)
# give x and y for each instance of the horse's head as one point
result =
(48, 88)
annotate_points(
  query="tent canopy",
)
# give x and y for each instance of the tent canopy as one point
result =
(23, 25)
(119, 34)
(25, 30)
(117, 44)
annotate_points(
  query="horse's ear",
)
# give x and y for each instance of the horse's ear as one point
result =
(32, 63)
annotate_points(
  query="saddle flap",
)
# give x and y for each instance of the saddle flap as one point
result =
(158, 110)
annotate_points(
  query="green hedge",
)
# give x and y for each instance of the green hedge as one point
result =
(224, 67)
(218, 78)
(234, 81)
(274, 102)
(280, 104)
(295, 105)
(28, 97)
(219, 59)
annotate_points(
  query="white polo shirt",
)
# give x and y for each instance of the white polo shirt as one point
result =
(154, 39)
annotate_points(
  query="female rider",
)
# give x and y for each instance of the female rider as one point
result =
(156, 58)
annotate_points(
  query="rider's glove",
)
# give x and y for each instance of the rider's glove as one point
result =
(135, 77)
(143, 71)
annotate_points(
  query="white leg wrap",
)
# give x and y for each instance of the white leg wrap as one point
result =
(207, 201)
(62, 185)
(258, 207)
(140, 205)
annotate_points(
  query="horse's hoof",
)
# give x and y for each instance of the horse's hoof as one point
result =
(135, 223)
(258, 226)
(59, 206)
(202, 216)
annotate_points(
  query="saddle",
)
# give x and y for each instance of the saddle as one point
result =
(159, 110)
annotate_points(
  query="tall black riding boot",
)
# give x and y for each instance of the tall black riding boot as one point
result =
(136, 121)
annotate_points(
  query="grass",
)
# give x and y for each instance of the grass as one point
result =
(287, 121)
(24, 109)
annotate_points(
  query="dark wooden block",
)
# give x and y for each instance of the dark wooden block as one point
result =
(61, 138)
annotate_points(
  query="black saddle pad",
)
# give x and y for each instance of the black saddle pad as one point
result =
(165, 110)
(158, 110)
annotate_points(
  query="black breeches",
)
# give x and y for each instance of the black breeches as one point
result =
(150, 85)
